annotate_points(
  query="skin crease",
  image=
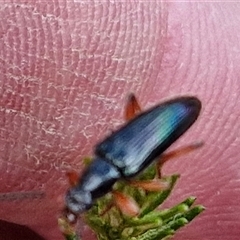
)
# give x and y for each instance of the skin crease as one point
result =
(66, 70)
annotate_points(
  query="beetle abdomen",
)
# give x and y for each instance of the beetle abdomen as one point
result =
(140, 141)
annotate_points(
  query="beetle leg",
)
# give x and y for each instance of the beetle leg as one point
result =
(176, 153)
(126, 204)
(72, 178)
(150, 185)
(132, 107)
(109, 206)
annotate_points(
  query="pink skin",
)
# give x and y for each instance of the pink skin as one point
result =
(66, 70)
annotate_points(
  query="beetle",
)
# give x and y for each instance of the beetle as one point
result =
(129, 150)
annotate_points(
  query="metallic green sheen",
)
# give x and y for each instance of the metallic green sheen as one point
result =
(139, 142)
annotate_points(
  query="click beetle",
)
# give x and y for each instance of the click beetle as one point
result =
(129, 150)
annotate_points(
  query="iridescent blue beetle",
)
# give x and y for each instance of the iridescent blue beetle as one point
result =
(128, 151)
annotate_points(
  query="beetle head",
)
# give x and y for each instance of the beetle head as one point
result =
(78, 201)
